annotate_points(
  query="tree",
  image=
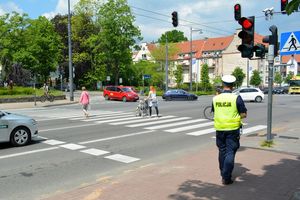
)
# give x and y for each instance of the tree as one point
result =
(116, 37)
(289, 77)
(255, 78)
(173, 36)
(239, 75)
(278, 78)
(41, 50)
(205, 84)
(292, 6)
(179, 75)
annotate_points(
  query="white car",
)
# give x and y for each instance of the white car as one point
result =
(250, 94)
(17, 129)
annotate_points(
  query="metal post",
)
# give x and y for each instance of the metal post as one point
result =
(247, 72)
(34, 87)
(167, 67)
(70, 54)
(191, 59)
(270, 96)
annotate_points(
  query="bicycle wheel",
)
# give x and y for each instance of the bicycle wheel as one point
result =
(208, 114)
(43, 98)
(51, 98)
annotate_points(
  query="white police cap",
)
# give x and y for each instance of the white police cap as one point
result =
(228, 79)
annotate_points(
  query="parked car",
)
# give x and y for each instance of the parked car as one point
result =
(178, 94)
(250, 94)
(280, 90)
(17, 129)
(123, 93)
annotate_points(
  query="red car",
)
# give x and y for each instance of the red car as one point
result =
(123, 93)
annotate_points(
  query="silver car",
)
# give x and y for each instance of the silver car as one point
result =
(17, 129)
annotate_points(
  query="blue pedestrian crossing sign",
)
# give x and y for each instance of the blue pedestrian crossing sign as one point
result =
(289, 43)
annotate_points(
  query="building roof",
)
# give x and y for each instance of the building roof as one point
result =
(285, 59)
(215, 44)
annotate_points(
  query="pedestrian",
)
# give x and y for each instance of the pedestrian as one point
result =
(152, 101)
(229, 110)
(46, 89)
(85, 101)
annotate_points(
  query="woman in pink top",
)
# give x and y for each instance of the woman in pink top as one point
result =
(85, 101)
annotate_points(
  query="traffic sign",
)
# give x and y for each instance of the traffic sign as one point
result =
(289, 43)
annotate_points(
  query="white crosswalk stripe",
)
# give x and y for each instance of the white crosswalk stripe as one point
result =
(253, 129)
(185, 128)
(158, 122)
(140, 120)
(100, 118)
(175, 124)
(202, 132)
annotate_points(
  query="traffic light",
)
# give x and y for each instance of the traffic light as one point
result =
(272, 39)
(260, 50)
(247, 36)
(237, 11)
(175, 19)
(283, 5)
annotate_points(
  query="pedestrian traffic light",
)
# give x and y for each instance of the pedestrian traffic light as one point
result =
(283, 5)
(260, 50)
(237, 11)
(247, 36)
(175, 19)
(272, 39)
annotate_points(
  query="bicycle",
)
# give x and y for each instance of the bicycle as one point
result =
(208, 114)
(142, 108)
(46, 97)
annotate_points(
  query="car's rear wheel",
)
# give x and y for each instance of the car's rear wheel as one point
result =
(258, 99)
(20, 136)
(106, 97)
(124, 99)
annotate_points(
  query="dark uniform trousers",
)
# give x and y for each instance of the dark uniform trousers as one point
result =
(228, 143)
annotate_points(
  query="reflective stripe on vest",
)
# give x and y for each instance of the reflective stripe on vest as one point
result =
(226, 116)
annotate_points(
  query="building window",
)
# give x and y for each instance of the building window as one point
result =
(144, 57)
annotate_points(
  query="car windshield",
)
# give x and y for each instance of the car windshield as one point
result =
(125, 89)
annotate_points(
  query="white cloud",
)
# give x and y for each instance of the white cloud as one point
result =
(61, 8)
(9, 7)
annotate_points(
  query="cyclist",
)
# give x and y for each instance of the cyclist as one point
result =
(46, 90)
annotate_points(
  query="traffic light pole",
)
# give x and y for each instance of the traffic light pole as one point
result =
(70, 55)
(191, 59)
(270, 96)
(167, 67)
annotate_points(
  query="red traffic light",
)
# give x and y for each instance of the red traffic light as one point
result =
(246, 23)
(237, 11)
(284, 4)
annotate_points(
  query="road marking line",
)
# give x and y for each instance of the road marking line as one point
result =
(28, 152)
(92, 116)
(94, 152)
(158, 122)
(53, 142)
(140, 120)
(116, 137)
(116, 120)
(254, 128)
(122, 158)
(175, 124)
(72, 146)
(66, 127)
(105, 118)
(185, 128)
(202, 132)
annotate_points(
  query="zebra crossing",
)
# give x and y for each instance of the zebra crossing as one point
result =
(168, 123)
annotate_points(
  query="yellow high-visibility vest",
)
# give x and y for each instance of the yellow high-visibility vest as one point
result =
(226, 116)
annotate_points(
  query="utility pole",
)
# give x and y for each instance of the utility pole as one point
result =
(191, 59)
(70, 55)
(167, 67)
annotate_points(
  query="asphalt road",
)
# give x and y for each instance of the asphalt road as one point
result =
(73, 151)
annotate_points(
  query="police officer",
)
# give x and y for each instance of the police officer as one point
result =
(229, 109)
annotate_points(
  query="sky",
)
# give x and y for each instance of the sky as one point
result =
(215, 18)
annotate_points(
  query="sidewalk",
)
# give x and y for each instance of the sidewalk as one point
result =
(260, 174)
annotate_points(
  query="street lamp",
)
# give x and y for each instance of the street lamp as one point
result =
(191, 54)
(70, 54)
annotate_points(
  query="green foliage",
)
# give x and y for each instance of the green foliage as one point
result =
(179, 75)
(5, 92)
(289, 77)
(278, 78)
(266, 143)
(239, 75)
(292, 6)
(205, 84)
(173, 36)
(217, 81)
(255, 78)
